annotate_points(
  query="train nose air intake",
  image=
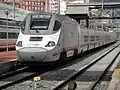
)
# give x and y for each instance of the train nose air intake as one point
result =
(32, 54)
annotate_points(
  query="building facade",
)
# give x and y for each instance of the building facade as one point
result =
(41, 5)
(38, 5)
(4, 0)
(34, 5)
(58, 5)
(10, 2)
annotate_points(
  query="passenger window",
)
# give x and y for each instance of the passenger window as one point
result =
(3, 35)
(92, 38)
(57, 25)
(86, 38)
(12, 35)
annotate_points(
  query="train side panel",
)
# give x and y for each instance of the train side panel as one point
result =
(113, 36)
(84, 39)
(70, 34)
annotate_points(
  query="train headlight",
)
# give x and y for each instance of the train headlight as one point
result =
(50, 44)
(19, 44)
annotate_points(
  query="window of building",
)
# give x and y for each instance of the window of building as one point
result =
(32, 3)
(41, 3)
(29, 7)
(35, 8)
(36, 3)
(29, 2)
(41, 8)
(32, 7)
(23, 7)
(26, 3)
(23, 2)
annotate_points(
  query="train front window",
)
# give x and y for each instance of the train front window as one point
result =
(23, 25)
(39, 22)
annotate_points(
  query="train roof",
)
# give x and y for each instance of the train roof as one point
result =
(62, 19)
(9, 30)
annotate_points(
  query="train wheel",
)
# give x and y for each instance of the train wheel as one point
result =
(75, 53)
(82, 52)
(63, 56)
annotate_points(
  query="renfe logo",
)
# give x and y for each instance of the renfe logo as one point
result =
(33, 45)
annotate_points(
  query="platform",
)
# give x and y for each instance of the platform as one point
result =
(115, 81)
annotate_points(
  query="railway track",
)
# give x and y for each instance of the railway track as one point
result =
(21, 74)
(9, 75)
(53, 85)
(71, 80)
(17, 76)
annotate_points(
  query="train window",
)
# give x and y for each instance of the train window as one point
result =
(92, 38)
(40, 21)
(97, 38)
(41, 16)
(99, 28)
(23, 25)
(12, 35)
(3, 35)
(85, 38)
(57, 25)
(40, 24)
(10, 22)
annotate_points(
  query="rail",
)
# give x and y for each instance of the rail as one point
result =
(83, 69)
(9, 74)
(21, 73)
(103, 74)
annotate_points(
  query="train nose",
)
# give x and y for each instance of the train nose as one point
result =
(32, 54)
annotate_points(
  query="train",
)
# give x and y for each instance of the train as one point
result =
(11, 31)
(50, 37)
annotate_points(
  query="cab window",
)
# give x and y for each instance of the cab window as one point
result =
(23, 25)
(57, 25)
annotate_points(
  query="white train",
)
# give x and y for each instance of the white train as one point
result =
(12, 30)
(48, 37)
